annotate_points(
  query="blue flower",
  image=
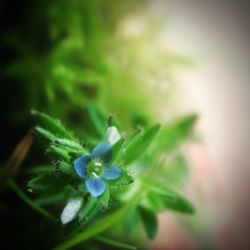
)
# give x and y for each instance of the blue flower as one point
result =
(95, 168)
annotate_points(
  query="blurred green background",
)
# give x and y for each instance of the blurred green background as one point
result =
(73, 60)
(77, 59)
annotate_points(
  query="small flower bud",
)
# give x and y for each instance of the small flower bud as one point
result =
(70, 210)
(113, 135)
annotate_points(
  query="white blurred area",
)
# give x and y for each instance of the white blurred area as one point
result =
(215, 35)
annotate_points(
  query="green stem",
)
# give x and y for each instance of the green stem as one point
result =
(114, 243)
(112, 219)
(105, 222)
(29, 202)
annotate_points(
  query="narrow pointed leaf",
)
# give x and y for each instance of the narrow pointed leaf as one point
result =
(149, 220)
(98, 120)
(162, 198)
(48, 181)
(174, 134)
(116, 149)
(44, 134)
(59, 153)
(66, 143)
(139, 144)
(66, 168)
(88, 209)
(51, 124)
(104, 198)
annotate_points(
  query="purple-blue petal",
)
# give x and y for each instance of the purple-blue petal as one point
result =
(80, 165)
(111, 172)
(96, 186)
(103, 152)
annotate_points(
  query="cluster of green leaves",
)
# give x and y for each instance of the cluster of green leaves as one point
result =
(142, 188)
(73, 65)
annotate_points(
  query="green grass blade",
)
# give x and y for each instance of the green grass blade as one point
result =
(29, 202)
(115, 243)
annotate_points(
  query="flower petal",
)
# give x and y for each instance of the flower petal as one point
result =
(95, 185)
(70, 210)
(80, 165)
(103, 152)
(113, 135)
(111, 173)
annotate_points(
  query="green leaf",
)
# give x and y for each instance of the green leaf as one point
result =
(174, 134)
(50, 199)
(175, 173)
(48, 181)
(66, 168)
(89, 209)
(76, 153)
(149, 220)
(114, 122)
(66, 143)
(55, 196)
(98, 120)
(41, 169)
(161, 198)
(174, 201)
(153, 202)
(104, 198)
(59, 153)
(132, 223)
(66, 149)
(125, 179)
(45, 134)
(51, 124)
(104, 223)
(139, 144)
(116, 149)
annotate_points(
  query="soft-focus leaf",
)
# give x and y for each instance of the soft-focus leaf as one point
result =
(98, 120)
(51, 124)
(139, 144)
(175, 173)
(161, 198)
(132, 222)
(104, 198)
(149, 220)
(88, 209)
(56, 196)
(37, 170)
(171, 136)
(116, 149)
(168, 200)
(48, 181)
